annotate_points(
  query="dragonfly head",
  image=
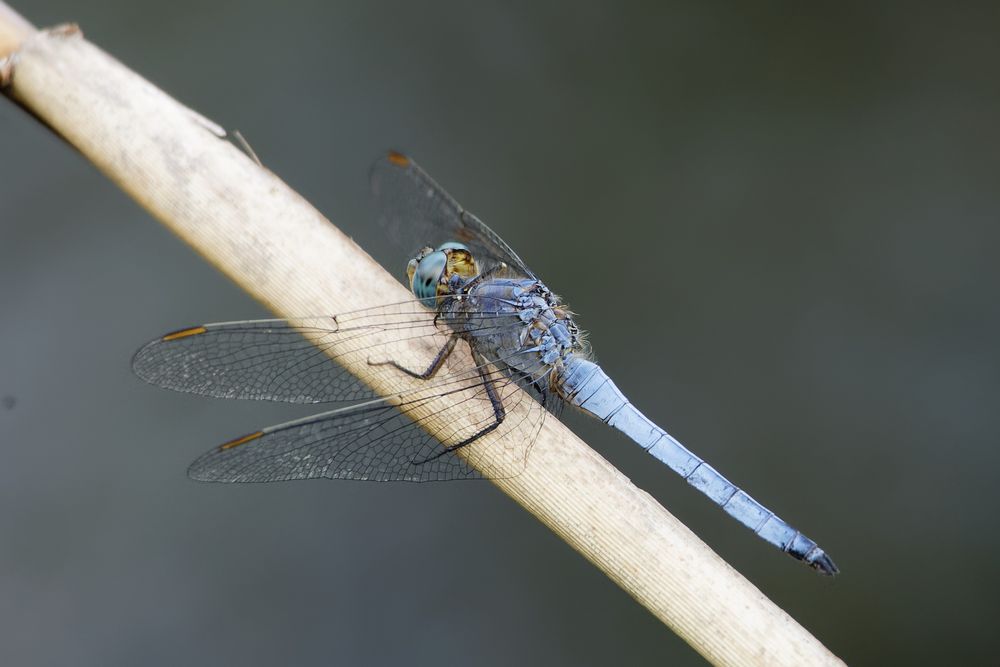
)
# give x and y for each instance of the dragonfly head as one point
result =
(430, 273)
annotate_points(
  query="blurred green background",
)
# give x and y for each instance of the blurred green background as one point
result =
(780, 225)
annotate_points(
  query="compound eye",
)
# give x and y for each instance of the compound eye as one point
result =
(452, 245)
(427, 274)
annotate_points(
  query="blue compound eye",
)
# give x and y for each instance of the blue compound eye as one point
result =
(452, 245)
(427, 275)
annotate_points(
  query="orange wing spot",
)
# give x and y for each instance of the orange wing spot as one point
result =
(240, 441)
(398, 159)
(184, 333)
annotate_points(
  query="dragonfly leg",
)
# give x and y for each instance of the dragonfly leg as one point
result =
(432, 369)
(499, 412)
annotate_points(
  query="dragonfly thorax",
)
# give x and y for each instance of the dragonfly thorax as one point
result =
(518, 324)
(433, 273)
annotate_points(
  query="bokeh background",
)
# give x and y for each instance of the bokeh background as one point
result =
(780, 225)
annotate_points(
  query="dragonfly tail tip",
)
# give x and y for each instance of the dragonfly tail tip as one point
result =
(823, 564)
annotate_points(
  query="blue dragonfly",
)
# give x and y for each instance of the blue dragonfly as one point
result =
(494, 346)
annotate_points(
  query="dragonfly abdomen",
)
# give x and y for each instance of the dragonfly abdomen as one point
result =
(585, 385)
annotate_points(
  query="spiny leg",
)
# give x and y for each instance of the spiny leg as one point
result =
(431, 370)
(499, 412)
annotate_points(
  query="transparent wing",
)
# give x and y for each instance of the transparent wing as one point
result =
(469, 412)
(408, 440)
(369, 443)
(293, 360)
(417, 212)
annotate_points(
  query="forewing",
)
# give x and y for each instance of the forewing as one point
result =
(294, 360)
(417, 212)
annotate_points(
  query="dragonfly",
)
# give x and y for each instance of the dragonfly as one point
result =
(454, 383)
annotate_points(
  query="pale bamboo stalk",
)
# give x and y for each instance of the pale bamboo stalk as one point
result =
(263, 235)
(14, 29)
